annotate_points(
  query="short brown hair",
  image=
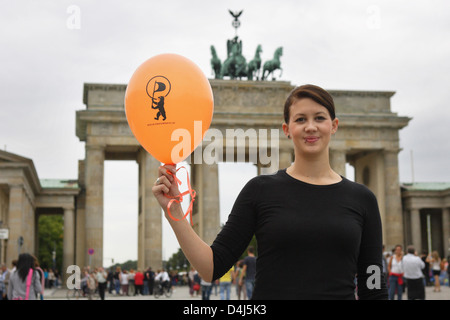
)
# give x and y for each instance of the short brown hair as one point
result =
(313, 92)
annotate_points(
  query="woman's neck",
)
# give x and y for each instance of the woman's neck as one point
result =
(313, 170)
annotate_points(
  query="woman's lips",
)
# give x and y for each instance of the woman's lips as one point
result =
(311, 139)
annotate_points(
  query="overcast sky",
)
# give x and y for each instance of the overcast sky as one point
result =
(49, 49)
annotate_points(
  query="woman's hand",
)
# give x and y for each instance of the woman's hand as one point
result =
(166, 188)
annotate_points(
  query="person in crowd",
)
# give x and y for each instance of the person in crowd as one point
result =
(435, 262)
(116, 278)
(46, 277)
(6, 277)
(239, 286)
(123, 277)
(57, 278)
(91, 283)
(139, 282)
(41, 277)
(426, 270)
(395, 268)
(110, 280)
(448, 270)
(249, 270)
(149, 281)
(4, 272)
(205, 289)
(163, 278)
(385, 265)
(131, 285)
(191, 281)
(24, 283)
(101, 277)
(51, 278)
(225, 284)
(412, 267)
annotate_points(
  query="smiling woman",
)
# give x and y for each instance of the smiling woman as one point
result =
(308, 220)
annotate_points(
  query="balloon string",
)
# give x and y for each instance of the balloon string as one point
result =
(179, 197)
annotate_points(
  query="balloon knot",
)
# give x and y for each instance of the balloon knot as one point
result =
(179, 197)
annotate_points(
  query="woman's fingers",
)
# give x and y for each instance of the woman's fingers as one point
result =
(160, 188)
(167, 171)
(165, 179)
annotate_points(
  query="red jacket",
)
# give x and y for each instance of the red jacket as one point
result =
(138, 278)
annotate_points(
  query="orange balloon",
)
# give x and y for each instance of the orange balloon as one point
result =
(169, 106)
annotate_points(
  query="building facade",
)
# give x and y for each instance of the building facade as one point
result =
(23, 197)
(426, 216)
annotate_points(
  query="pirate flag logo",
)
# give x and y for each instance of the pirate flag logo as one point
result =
(157, 89)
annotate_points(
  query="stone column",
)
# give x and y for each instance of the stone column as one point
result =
(416, 231)
(211, 206)
(338, 161)
(207, 215)
(150, 215)
(80, 218)
(446, 230)
(69, 240)
(95, 156)
(16, 198)
(393, 213)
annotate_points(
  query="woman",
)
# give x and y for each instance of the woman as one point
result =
(17, 289)
(124, 282)
(315, 229)
(435, 262)
(41, 277)
(395, 269)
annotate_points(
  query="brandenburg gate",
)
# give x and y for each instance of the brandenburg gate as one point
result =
(368, 139)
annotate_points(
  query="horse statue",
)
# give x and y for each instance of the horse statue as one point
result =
(216, 64)
(254, 66)
(235, 66)
(273, 64)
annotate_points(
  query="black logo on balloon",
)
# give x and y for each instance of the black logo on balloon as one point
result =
(157, 89)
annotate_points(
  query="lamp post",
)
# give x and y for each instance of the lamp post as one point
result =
(20, 243)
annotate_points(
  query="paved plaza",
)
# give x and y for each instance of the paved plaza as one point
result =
(182, 293)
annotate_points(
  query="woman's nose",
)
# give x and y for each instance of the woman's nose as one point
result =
(310, 126)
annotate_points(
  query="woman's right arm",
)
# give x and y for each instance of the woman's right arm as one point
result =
(194, 248)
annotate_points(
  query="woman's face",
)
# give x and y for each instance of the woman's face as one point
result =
(310, 127)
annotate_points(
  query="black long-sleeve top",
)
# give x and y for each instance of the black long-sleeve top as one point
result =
(312, 239)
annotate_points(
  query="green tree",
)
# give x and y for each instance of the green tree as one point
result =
(178, 261)
(50, 237)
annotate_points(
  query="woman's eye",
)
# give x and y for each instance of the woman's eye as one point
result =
(320, 118)
(300, 120)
